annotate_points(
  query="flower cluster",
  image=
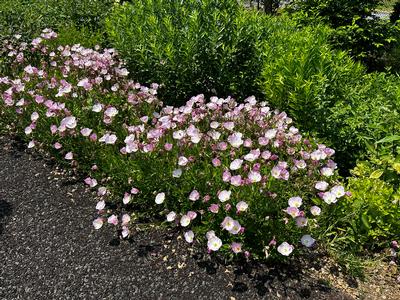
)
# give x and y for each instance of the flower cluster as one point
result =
(238, 176)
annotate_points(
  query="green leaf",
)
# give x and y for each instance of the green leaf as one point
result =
(389, 139)
(376, 174)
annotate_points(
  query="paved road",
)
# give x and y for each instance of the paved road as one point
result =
(49, 250)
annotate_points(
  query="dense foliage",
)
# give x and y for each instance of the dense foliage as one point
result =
(368, 38)
(29, 17)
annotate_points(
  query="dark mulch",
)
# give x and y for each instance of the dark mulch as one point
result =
(49, 250)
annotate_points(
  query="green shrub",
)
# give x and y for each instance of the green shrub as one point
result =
(31, 16)
(329, 94)
(366, 37)
(370, 219)
(191, 46)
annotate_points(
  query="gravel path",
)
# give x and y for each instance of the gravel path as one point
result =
(49, 250)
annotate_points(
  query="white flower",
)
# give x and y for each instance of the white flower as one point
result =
(285, 249)
(271, 133)
(254, 176)
(214, 125)
(236, 164)
(185, 221)
(171, 216)
(28, 130)
(109, 139)
(97, 107)
(100, 205)
(210, 234)
(235, 139)
(321, 185)
(182, 161)
(214, 243)
(315, 210)
(31, 144)
(338, 190)
(327, 172)
(307, 240)
(178, 135)
(34, 116)
(189, 236)
(68, 122)
(242, 206)
(227, 223)
(111, 112)
(295, 202)
(160, 198)
(98, 223)
(127, 198)
(224, 195)
(329, 197)
(177, 173)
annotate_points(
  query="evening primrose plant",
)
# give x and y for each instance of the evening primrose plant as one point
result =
(238, 178)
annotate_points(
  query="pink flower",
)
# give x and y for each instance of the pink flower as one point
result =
(321, 185)
(69, 156)
(125, 219)
(124, 232)
(85, 83)
(31, 144)
(134, 191)
(293, 211)
(93, 137)
(192, 215)
(236, 247)
(68, 122)
(214, 208)
(86, 131)
(194, 195)
(236, 228)
(236, 180)
(34, 116)
(57, 146)
(226, 176)
(216, 162)
(301, 221)
(168, 146)
(113, 219)
(227, 223)
(101, 191)
(329, 197)
(111, 112)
